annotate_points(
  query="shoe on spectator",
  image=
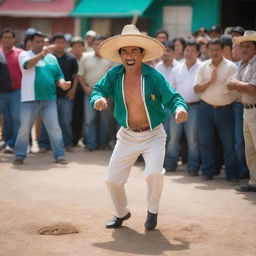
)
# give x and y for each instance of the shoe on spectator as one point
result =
(246, 188)
(8, 150)
(61, 160)
(171, 169)
(233, 182)
(88, 149)
(244, 175)
(42, 150)
(207, 177)
(193, 173)
(69, 149)
(18, 161)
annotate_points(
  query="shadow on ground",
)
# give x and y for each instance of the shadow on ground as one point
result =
(130, 241)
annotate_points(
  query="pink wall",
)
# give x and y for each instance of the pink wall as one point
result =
(63, 25)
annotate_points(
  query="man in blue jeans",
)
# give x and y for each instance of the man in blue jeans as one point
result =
(41, 72)
(182, 80)
(92, 67)
(10, 83)
(65, 99)
(216, 111)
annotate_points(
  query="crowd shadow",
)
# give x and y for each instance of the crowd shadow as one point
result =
(219, 182)
(128, 240)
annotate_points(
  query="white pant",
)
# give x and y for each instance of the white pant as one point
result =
(250, 142)
(151, 144)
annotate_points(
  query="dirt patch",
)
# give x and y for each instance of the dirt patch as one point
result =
(190, 233)
(58, 229)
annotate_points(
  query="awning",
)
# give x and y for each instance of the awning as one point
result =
(25, 8)
(110, 8)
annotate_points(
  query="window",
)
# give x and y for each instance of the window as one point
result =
(177, 20)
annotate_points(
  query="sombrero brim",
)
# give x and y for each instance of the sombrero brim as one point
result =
(110, 47)
(240, 39)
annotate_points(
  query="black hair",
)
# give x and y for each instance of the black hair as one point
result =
(38, 33)
(141, 50)
(162, 31)
(58, 36)
(193, 43)
(215, 41)
(169, 45)
(182, 41)
(226, 40)
(7, 30)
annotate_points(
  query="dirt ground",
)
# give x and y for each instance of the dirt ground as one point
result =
(197, 218)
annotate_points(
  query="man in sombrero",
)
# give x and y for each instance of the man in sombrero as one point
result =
(139, 93)
(246, 86)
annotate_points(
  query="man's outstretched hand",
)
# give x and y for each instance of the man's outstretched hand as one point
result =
(181, 115)
(101, 104)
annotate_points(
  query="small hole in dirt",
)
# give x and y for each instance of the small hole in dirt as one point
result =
(58, 229)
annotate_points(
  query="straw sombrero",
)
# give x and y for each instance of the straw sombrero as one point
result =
(131, 36)
(249, 35)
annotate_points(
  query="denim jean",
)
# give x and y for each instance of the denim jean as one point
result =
(223, 119)
(96, 126)
(191, 132)
(65, 113)
(48, 113)
(239, 138)
(10, 107)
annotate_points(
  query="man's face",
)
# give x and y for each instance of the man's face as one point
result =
(161, 37)
(236, 52)
(89, 39)
(95, 46)
(131, 57)
(215, 52)
(77, 48)
(190, 54)
(8, 40)
(248, 50)
(168, 55)
(60, 44)
(37, 44)
(214, 34)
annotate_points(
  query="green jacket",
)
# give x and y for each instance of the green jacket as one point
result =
(155, 89)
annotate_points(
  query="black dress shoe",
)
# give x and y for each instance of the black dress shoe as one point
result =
(116, 222)
(207, 177)
(246, 188)
(193, 173)
(171, 169)
(151, 221)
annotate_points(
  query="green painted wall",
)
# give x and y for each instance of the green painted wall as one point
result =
(85, 26)
(205, 13)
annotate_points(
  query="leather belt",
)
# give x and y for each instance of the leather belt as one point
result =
(249, 106)
(143, 129)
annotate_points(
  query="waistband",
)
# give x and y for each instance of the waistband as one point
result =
(143, 129)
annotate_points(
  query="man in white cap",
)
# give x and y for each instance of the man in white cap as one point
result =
(246, 85)
(89, 38)
(139, 93)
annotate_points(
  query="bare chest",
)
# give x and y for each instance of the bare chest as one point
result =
(133, 93)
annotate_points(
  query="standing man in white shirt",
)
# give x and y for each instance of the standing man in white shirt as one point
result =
(165, 67)
(182, 79)
(216, 110)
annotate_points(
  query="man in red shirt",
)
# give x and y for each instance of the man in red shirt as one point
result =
(10, 83)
